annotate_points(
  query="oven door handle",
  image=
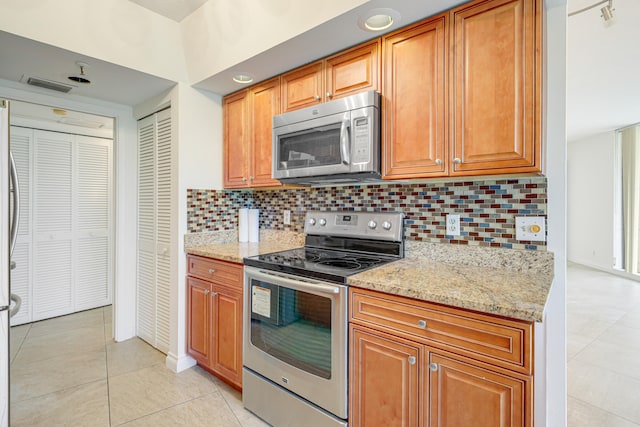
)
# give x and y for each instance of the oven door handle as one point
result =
(299, 284)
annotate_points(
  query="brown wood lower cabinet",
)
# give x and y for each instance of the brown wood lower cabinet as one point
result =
(411, 381)
(214, 298)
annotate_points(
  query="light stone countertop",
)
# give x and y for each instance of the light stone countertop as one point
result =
(504, 282)
(226, 247)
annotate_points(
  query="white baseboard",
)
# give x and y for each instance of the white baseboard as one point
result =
(179, 364)
(609, 270)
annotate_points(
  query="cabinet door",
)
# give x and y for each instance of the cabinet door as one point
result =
(384, 380)
(353, 71)
(265, 103)
(464, 395)
(235, 112)
(227, 334)
(199, 320)
(302, 87)
(496, 87)
(414, 142)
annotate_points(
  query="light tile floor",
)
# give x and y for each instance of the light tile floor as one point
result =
(68, 371)
(603, 349)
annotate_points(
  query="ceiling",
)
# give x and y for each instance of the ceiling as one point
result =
(602, 87)
(69, 118)
(22, 58)
(176, 10)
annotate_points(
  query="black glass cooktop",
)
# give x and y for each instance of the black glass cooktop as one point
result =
(324, 264)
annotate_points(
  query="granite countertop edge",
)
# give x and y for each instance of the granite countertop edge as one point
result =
(512, 284)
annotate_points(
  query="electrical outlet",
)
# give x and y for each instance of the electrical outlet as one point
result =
(453, 225)
(530, 228)
(287, 217)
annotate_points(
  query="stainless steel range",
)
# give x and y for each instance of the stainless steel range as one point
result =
(295, 316)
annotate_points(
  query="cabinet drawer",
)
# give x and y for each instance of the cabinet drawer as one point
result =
(222, 272)
(502, 342)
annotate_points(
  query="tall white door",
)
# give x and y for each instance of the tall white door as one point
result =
(156, 225)
(64, 245)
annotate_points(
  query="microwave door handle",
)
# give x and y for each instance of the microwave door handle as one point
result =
(344, 141)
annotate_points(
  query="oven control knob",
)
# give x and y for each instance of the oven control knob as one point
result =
(386, 225)
(372, 224)
(323, 222)
(312, 221)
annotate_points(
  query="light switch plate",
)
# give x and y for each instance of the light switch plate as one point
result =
(287, 217)
(530, 228)
(453, 225)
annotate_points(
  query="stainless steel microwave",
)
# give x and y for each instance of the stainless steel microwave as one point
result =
(338, 142)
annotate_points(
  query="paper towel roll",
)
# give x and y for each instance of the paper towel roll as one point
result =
(254, 225)
(243, 225)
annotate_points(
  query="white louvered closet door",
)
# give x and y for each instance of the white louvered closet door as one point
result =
(155, 225)
(93, 218)
(53, 225)
(164, 227)
(21, 142)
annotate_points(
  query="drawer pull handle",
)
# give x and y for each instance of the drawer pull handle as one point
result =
(212, 270)
(412, 360)
(422, 324)
(433, 367)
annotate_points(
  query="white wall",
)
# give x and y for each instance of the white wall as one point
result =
(221, 34)
(590, 197)
(551, 390)
(117, 31)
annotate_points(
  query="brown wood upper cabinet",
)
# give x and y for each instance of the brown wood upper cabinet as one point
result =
(352, 71)
(414, 141)
(495, 87)
(462, 92)
(248, 135)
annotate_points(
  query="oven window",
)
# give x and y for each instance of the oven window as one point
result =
(309, 148)
(292, 326)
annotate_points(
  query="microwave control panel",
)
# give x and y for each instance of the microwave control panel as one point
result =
(361, 144)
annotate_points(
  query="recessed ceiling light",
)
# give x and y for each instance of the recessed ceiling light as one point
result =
(243, 78)
(378, 19)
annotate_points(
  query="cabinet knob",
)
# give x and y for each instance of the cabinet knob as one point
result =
(213, 294)
(457, 161)
(433, 366)
(422, 324)
(206, 291)
(412, 360)
(329, 95)
(244, 179)
(251, 178)
(317, 97)
(212, 270)
(438, 162)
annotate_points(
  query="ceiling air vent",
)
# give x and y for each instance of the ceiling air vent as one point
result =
(48, 84)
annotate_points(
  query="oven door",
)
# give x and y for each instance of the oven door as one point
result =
(295, 334)
(319, 146)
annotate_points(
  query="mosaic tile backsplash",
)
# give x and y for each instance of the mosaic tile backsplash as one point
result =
(487, 208)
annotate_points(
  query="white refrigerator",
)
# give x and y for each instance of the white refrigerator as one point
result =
(9, 214)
